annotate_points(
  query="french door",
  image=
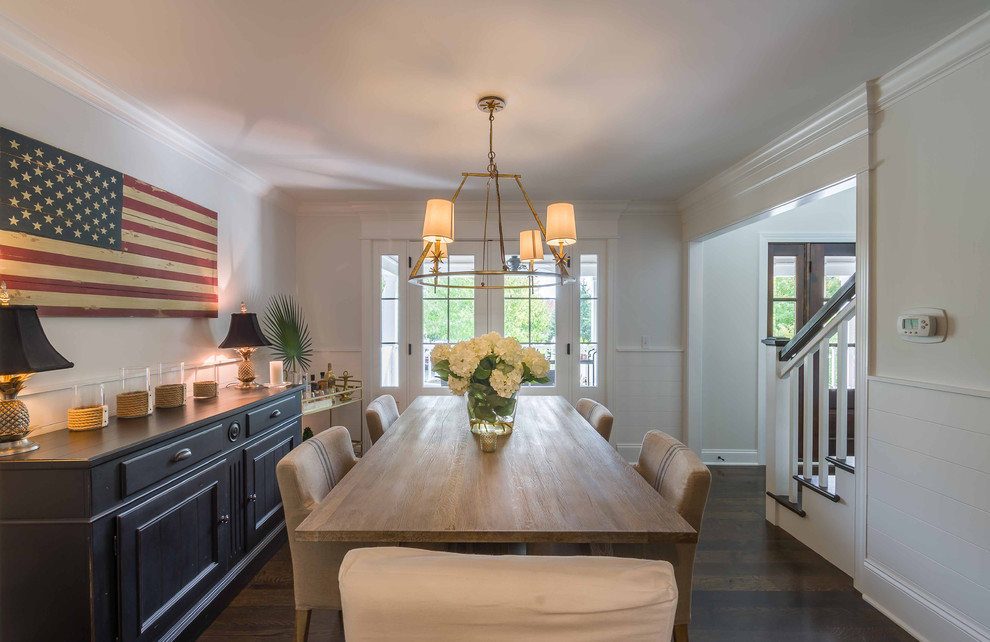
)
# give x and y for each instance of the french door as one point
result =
(566, 323)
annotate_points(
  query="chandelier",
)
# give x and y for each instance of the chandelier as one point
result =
(438, 231)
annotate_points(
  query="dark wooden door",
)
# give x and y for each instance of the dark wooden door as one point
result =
(264, 502)
(173, 549)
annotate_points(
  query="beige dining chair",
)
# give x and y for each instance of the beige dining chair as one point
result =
(381, 414)
(597, 415)
(683, 480)
(305, 476)
(404, 594)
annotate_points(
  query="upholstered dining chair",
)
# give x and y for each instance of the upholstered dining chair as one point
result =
(380, 415)
(405, 594)
(683, 480)
(597, 415)
(305, 476)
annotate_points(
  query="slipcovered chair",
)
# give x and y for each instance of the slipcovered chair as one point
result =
(681, 479)
(305, 476)
(381, 414)
(597, 415)
(405, 594)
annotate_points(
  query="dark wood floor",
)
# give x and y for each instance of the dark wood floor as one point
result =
(752, 581)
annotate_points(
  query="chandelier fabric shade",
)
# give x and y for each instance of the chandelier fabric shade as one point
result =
(561, 228)
(530, 245)
(438, 230)
(438, 225)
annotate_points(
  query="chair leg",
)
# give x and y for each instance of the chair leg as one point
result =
(302, 624)
(680, 633)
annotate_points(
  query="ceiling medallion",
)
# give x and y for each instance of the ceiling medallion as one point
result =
(438, 231)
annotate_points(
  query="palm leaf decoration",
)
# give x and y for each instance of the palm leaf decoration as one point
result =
(286, 328)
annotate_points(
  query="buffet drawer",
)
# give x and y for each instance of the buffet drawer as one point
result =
(144, 470)
(260, 420)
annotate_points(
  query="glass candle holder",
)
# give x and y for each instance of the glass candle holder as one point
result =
(206, 382)
(134, 399)
(171, 389)
(489, 442)
(89, 409)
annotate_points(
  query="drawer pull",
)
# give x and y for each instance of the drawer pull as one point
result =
(224, 519)
(252, 497)
(185, 453)
(275, 413)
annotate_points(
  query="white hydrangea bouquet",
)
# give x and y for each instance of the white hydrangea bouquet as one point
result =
(490, 369)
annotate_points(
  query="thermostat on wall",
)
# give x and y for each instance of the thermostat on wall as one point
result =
(922, 325)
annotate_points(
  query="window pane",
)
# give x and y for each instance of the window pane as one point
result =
(784, 277)
(389, 299)
(543, 320)
(838, 270)
(435, 321)
(588, 322)
(461, 316)
(588, 308)
(517, 319)
(784, 322)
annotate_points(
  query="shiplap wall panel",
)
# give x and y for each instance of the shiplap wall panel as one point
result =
(945, 585)
(647, 396)
(929, 491)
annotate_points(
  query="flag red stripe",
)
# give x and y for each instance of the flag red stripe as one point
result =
(68, 311)
(168, 197)
(151, 210)
(63, 260)
(178, 257)
(169, 236)
(36, 284)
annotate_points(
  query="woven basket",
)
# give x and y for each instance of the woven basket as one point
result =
(170, 395)
(131, 405)
(87, 418)
(204, 389)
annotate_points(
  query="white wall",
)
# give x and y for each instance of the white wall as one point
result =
(649, 281)
(255, 256)
(732, 303)
(928, 538)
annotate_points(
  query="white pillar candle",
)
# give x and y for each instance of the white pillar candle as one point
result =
(275, 372)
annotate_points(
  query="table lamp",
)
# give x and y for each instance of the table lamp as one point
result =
(24, 350)
(245, 337)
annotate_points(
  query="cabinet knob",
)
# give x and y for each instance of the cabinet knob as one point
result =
(275, 413)
(233, 431)
(252, 497)
(224, 519)
(185, 453)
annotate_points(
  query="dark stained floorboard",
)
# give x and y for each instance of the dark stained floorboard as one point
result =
(752, 581)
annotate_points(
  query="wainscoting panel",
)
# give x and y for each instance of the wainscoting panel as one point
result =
(928, 516)
(647, 396)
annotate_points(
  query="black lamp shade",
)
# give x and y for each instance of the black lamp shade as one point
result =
(244, 332)
(24, 348)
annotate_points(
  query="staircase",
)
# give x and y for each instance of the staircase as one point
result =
(810, 430)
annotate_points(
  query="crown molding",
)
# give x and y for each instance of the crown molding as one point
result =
(850, 107)
(946, 56)
(413, 210)
(35, 55)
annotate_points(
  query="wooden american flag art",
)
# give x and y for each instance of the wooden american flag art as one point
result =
(80, 239)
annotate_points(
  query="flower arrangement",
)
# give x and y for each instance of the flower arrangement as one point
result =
(490, 369)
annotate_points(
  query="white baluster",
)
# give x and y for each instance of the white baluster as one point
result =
(842, 391)
(792, 456)
(809, 415)
(823, 407)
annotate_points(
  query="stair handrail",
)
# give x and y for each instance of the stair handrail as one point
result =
(812, 343)
(809, 330)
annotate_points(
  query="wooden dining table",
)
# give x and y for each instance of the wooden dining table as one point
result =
(554, 479)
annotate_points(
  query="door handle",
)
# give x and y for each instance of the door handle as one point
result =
(275, 413)
(224, 519)
(568, 348)
(185, 453)
(252, 497)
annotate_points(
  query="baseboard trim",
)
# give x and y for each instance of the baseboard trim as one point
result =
(905, 590)
(730, 457)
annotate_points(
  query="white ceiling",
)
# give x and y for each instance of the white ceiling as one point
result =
(376, 100)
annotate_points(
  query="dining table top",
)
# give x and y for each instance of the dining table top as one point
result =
(554, 479)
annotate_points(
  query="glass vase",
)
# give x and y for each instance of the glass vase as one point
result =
(490, 413)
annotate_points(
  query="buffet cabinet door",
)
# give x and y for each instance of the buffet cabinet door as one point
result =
(172, 550)
(264, 502)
